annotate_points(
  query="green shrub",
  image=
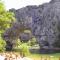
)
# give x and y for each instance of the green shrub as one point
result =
(32, 42)
(2, 45)
(21, 47)
(24, 49)
(17, 48)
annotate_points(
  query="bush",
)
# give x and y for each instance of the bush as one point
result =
(2, 45)
(32, 42)
(21, 47)
(17, 48)
(24, 49)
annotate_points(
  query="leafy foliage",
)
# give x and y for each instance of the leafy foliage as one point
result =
(2, 9)
(21, 47)
(2, 45)
(24, 49)
(32, 42)
(6, 20)
(6, 17)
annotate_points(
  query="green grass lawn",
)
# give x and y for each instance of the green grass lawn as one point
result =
(54, 56)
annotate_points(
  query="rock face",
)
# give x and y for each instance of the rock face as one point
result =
(43, 20)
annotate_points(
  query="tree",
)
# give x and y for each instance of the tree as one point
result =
(6, 18)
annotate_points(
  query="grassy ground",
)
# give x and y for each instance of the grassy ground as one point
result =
(54, 56)
(37, 56)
